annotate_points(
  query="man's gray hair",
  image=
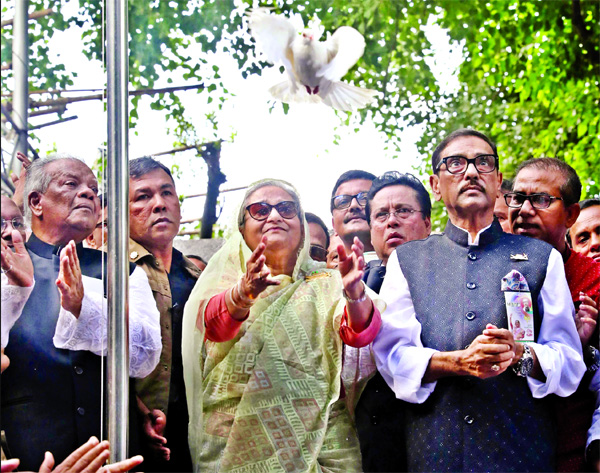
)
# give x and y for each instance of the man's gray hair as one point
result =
(38, 180)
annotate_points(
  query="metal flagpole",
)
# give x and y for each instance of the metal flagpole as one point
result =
(20, 54)
(118, 228)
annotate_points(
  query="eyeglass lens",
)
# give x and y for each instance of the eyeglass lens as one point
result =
(399, 213)
(458, 164)
(344, 201)
(16, 223)
(318, 253)
(261, 210)
(538, 201)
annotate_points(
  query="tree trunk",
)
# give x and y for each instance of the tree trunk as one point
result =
(211, 153)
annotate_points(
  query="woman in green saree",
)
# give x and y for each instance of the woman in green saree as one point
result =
(264, 330)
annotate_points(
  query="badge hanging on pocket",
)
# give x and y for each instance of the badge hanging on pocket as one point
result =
(519, 306)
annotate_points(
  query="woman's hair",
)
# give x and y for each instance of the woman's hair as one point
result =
(265, 183)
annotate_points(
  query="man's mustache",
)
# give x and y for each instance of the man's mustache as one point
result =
(354, 215)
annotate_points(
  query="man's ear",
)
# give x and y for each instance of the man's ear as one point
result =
(34, 200)
(90, 241)
(573, 212)
(434, 182)
(428, 225)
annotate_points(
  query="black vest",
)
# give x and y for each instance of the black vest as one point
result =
(50, 397)
(379, 415)
(469, 424)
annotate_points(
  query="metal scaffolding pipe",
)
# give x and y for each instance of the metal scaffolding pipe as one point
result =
(118, 227)
(20, 61)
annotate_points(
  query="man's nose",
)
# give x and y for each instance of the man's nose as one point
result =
(87, 192)
(527, 208)
(471, 170)
(393, 220)
(595, 242)
(354, 204)
(159, 203)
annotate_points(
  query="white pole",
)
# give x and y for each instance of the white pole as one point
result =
(20, 59)
(118, 227)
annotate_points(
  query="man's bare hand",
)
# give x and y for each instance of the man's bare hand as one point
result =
(70, 280)
(19, 181)
(17, 265)
(586, 318)
(490, 353)
(89, 458)
(155, 422)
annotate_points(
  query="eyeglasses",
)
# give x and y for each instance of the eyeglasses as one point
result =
(344, 201)
(261, 210)
(484, 163)
(542, 200)
(318, 253)
(401, 214)
(16, 222)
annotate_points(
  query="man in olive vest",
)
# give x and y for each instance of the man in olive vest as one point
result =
(154, 222)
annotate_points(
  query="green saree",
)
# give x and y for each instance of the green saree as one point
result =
(269, 400)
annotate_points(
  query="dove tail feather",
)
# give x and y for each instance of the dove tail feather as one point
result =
(288, 93)
(346, 97)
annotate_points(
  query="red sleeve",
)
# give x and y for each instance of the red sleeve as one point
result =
(361, 339)
(220, 325)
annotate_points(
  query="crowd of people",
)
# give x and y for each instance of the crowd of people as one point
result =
(376, 346)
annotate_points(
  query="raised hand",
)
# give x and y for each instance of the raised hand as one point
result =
(257, 277)
(70, 280)
(89, 458)
(19, 181)
(586, 318)
(351, 267)
(17, 265)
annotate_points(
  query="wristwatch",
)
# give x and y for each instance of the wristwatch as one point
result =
(525, 364)
(591, 357)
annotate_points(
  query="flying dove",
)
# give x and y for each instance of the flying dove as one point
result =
(314, 67)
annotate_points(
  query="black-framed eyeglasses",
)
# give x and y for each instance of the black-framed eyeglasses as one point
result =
(344, 201)
(16, 222)
(540, 200)
(402, 214)
(484, 163)
(261, 210)
(318, 253)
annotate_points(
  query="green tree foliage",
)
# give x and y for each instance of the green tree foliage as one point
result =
(171, 39)
(529, 78)
(529, 75)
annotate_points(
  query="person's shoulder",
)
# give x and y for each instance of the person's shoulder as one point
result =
(187, 264)
(521, 242)
(94, 260)
(583, 261)
(410, 246)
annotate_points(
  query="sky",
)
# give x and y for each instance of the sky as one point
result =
(297, 147)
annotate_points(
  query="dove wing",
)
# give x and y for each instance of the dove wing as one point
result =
(345, 47)
(273, 34)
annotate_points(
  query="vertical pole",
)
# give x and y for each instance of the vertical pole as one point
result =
(118, 228)
(20, 59)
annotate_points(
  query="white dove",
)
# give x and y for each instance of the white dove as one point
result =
(314, 67)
